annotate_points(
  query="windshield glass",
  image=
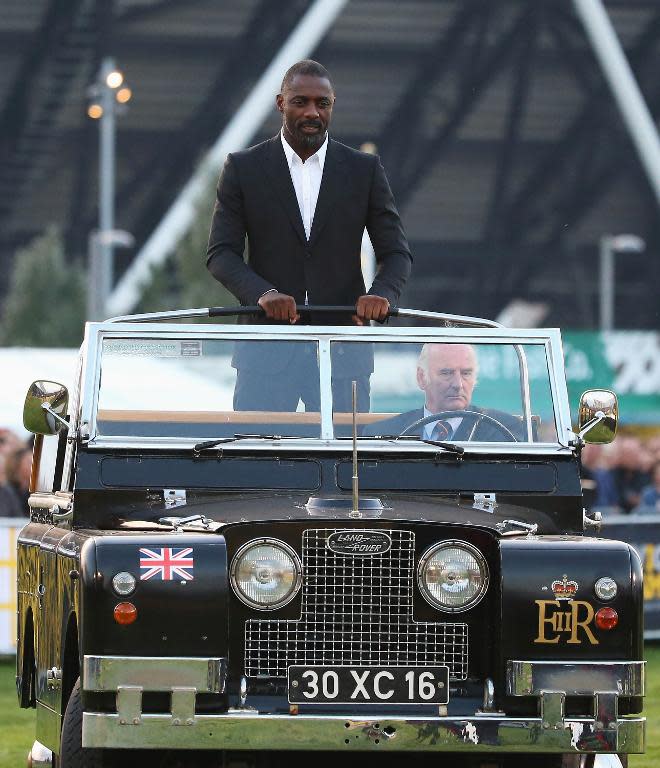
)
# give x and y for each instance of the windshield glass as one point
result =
(208, 388)
(215, 388)
(447, 391)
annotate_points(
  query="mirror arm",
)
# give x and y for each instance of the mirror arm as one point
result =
(598, 417)
(49, 410)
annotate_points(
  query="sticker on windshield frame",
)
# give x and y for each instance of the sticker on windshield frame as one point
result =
(152, 347)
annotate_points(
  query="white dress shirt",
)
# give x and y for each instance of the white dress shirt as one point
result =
(306, 178)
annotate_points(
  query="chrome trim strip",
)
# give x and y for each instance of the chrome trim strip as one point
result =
(332, 332)
(147, 317)
(325, 382)
(49, 725)
(524, 389)
(556, 372)
(249, 730)
(91, 379)
(75, 405)
(575, 678)
(108, 673)
(463, 320)
(304, 445)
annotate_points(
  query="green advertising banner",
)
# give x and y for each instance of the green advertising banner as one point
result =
(627, 362)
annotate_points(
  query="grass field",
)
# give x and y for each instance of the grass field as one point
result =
(17, 732)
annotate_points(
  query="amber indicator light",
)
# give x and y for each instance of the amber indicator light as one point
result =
(126, 613)
(606, 618)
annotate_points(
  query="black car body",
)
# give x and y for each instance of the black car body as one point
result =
(199, 578)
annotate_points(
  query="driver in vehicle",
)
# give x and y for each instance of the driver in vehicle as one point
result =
(447, 374)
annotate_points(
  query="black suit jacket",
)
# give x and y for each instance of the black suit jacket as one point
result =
(256, 197)
(486, 431)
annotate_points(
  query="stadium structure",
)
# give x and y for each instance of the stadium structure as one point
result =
(510, 147)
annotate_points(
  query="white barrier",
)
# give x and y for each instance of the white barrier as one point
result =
(9, 530)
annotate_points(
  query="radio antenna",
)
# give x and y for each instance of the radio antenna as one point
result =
(356, 494)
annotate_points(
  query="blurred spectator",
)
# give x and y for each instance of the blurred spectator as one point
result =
(632, 472)
(9, 441)
(598, 462)
(15, 468)
(650, 496)
(653, 447)
(620, 477)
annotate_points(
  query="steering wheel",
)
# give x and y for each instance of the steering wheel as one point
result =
(473, 416)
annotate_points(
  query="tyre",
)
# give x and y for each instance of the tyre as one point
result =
(72, 754)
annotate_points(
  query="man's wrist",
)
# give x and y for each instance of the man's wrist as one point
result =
(270, 290)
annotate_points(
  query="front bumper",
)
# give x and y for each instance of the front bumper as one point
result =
(247, 729)
(252, 731)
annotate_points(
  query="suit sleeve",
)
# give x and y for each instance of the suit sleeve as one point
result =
(224, 255)
(393, 256)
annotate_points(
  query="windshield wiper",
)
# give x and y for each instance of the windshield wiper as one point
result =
(451, 447)
(198, 447)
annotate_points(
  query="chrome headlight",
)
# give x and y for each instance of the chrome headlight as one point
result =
(453, 576)
(266, 574)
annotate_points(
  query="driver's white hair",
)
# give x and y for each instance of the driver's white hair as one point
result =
(423, 359)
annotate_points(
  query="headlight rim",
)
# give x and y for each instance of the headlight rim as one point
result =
(272, 542)
(118, 591)
(599, 588)
(445, 544)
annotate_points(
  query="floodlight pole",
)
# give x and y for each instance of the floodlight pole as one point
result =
(103, 240)
(106, 176)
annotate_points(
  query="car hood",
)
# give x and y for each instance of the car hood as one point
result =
(230, 509)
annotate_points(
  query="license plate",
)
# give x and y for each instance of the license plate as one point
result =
(371, 685)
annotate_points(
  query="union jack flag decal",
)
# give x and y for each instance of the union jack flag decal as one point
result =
(166, 564)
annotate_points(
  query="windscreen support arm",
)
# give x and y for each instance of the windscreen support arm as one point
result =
(459, 321)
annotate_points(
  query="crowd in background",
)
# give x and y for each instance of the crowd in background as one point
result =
(624, 476)
(15, 468)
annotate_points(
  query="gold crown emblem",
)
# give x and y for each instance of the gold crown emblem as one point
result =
(564, 589)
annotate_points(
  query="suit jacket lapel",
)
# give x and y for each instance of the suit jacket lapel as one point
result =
(332, 184)
(279, 176)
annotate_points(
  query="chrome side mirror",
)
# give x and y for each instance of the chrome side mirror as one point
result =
(45, 407)
(598, 416)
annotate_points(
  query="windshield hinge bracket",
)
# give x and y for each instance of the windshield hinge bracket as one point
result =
(486, 502)
(174, 497)
(529, 528)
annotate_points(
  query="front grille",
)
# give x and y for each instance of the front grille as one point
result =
(356, 610)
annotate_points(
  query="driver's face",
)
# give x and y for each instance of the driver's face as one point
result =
(449, 378)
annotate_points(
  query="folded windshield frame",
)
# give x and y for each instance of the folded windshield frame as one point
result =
(549, 338)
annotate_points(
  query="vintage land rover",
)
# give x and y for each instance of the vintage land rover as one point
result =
(406, 570)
